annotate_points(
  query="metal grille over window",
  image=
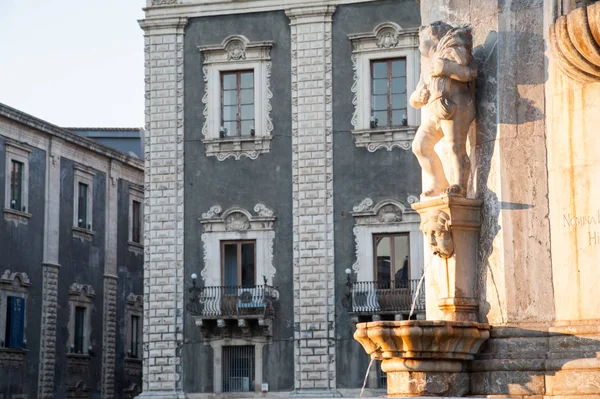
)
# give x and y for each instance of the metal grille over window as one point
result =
(381, 377)
(16, 185)
(388, 93)
(82, 206)
(238, 368)
(237, 103)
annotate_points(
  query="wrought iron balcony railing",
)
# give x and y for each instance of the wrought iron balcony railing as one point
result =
(227, 302)
(386, 297)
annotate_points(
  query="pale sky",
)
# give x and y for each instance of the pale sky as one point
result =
(73, 62)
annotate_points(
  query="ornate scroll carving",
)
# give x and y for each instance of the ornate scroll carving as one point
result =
(575, 41)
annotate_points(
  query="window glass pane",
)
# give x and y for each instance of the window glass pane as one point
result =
(380, 102)
(383, 257)
(398, 101)
(401, 247)
(229, 97)
(15, 322)
(82, 206)
(230, 265)
(16, 185)
(135, 326)
(380, 70)
(382, 118)
(399, 85)
(247, 112)
(247, 127)
(78, 340)
(380, 86)
(230, 113)
(136, 221)
(247, 96)
(248, 270)
(231, 128)
(399, 118)
(247, 80)
(398, 68)
(229, 81)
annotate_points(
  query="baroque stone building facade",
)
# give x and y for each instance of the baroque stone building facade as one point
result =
(71, 268)
(279, 181)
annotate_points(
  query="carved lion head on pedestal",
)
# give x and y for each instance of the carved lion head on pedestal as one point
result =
(436, 227)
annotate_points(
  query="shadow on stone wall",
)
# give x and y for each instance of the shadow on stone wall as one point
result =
(559, 361)
(500, 110)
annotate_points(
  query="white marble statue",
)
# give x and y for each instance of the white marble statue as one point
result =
(445, 94)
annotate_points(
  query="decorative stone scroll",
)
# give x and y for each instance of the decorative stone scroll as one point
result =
(237, 53)
(237, 223)
(575, 42)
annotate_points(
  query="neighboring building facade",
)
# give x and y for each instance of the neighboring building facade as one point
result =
(127, 140)
(278, 156)
(71, 268)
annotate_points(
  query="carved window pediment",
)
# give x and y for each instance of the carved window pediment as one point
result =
(387, 41)
(385, 217)
(237, 223)
(237, 53)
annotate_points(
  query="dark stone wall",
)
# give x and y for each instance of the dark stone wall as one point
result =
(81, 262)
(242, 183)
(358, 173)
(22, 248)
(130, 271)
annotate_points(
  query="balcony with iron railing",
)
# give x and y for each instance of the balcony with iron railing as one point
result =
(250, 308)
(388, 300)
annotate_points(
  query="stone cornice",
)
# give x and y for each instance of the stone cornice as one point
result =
(55, 131)
(196, 8)
(163, 26)
(575, 41)
(309, 12)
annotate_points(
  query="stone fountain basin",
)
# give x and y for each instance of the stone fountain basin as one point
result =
(422, 339)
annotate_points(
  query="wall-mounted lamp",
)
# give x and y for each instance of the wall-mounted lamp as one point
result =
(194, 278)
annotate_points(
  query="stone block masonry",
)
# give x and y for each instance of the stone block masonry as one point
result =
(163, 220)
(312, 169)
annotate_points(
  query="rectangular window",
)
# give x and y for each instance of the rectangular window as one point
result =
(82, 211)
(238, 263)
(15, 322)
(392, 259)
(237, 103)
(135, 331)
(16, 185)
(79, 338)
(238, 368)
(136, 221)
(388, 93)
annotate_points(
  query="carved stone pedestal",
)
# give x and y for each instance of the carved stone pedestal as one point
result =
(406, 377)
(451, 224)
(422, 357)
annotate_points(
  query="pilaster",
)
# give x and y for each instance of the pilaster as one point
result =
(163, 220)
(312, 169)
(109, 313)
(50, 271)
